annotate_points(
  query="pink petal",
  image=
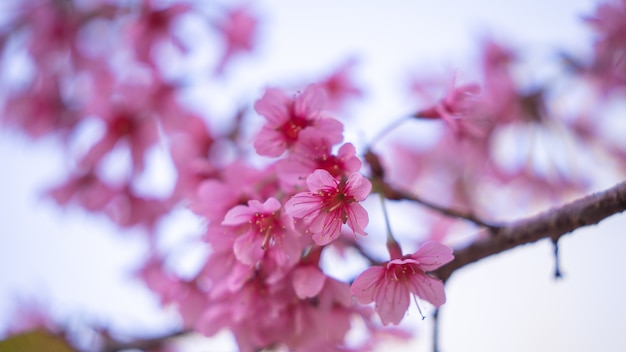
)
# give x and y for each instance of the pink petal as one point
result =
(308, 281)
(432, 255)
(239, 214)
(310, 102)
(392, 301)
(269, 206)
(428, 288)
(248, 249)
(347, 154)
(273, 106)
(269, 142)
(366, 285)
(360, 187)
(99, 150)
(320, 179)
(331, 129)
(357, 218)
(64, 193)
(326, 228)
(303, 205)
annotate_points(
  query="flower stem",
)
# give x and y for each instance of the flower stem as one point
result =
(388, 129)
(392, 245)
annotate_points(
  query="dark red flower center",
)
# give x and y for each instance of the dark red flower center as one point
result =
(330, 163)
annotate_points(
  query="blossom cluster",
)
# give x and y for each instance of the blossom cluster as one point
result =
(266, 227)
(272, 226)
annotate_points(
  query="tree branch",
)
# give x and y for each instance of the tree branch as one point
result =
(553, 224)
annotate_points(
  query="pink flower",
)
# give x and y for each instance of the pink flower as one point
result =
(41, 109)
(286, 117)
(236, 184)
(608, 66)
(238, 30)
(129, 123)
(315, 152)
(339, 87)
(330, 203)
(261, 228)
(86, 189)
(391, 285)
(153, 26)
(128, 209)
(460, 109)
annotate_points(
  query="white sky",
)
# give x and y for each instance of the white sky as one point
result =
(78, 265)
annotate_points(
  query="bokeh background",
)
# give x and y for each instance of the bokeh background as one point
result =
(79, 268)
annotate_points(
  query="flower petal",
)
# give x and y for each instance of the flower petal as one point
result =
(428, 288)
(308, 281)
(326, 227)
(320, 179)
(366, 285)
(432, 255)
(303, 205)
(310, 102)
(392, 301)
(357, 218)
(273, 106)
(237, 215)
(360, 187)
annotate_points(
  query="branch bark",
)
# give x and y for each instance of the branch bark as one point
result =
(554, 223)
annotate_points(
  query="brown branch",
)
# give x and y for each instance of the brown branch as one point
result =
(553, 224)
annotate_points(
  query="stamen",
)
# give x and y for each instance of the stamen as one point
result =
(418, 307)
(266, 238)
(334, 207)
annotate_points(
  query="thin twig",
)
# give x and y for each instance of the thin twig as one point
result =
(388, 129)
(396, 194)
(391, 193)
(436, 324)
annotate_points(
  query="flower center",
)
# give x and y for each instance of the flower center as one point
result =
(292, 128)
(330, 163)
(266, 224)
(401, 272)
(122, 125)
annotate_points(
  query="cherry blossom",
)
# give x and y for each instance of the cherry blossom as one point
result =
(238, 29)
(460, 109)
(609, 61)
(41, 109)
(329, 203)
(286, 117)
(339, 87)
(153, 26)
(315, 152)
(269, 210)
(391, 285)
(86, 189)
(261, 227)
(129, 123)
